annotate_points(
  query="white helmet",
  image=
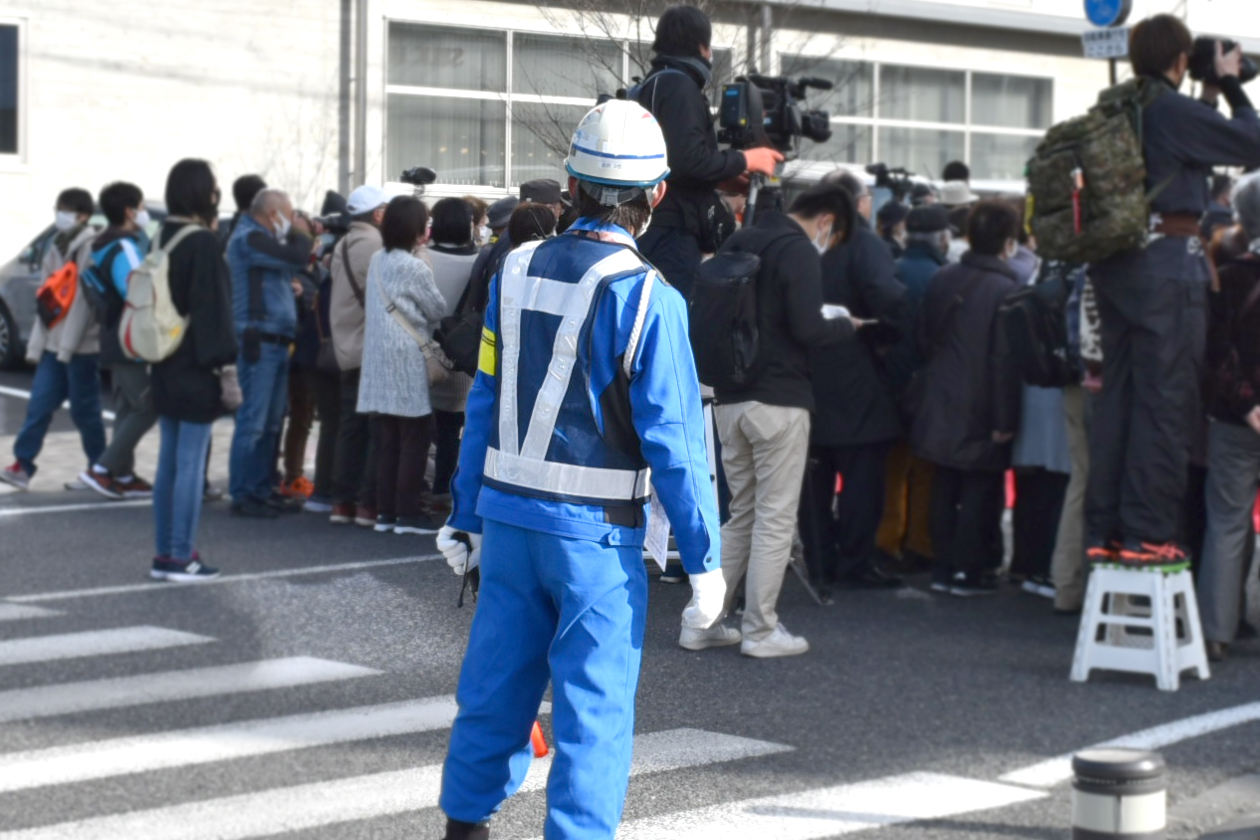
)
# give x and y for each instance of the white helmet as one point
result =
(618, 145)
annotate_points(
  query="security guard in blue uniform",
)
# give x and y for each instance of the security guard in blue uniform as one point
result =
(586, 386)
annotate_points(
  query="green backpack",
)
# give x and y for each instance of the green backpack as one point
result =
(1087, 194)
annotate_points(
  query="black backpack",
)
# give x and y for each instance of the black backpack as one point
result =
(1035, 323)
(723, 319)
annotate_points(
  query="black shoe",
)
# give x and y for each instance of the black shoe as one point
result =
(425, 523)
(673, 573)
(456, 830)
(1245, 631)
(920, 562)
(182, 571)
(966, 586)
(385, 523)
(284, 504)
(870, 578)
(254, 509)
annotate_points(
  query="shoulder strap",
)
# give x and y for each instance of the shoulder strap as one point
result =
(180, 235)
(354, 284)
(401, 319)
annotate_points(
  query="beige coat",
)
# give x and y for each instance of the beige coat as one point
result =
(345, 311)
(78, 333)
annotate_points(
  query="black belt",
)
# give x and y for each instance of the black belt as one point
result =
(274, 338)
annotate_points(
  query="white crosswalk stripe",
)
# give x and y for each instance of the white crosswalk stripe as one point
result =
(15, 612)
(831, 811)
(364, 797)
(120, 756)
(166, 686)
(94, 643)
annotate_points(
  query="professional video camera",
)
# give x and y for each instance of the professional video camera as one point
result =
(766, 111)
(896, 180)
(1203, 61)
(419, 177)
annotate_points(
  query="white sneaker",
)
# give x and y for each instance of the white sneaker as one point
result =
(719, 635)
(778, 643)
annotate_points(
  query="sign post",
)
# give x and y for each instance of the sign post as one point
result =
(1109, 43)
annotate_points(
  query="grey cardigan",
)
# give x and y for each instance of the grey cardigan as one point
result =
(393, 379)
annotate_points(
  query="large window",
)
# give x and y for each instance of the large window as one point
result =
(923, 117)
(8, 89)
(496, 108)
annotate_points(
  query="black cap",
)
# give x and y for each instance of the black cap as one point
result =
(892, 213)
(919, 192)
(542, 191)
(500, 213)
(929, 218)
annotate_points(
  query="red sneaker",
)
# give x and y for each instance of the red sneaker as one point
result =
(17, 476)
(1163, 555)
(299, 488)
(1108, 553)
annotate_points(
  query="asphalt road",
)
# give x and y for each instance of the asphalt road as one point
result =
(899, 723)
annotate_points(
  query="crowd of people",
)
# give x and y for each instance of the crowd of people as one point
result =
(872, 446)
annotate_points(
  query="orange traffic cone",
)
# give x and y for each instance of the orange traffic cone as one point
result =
(540, 743)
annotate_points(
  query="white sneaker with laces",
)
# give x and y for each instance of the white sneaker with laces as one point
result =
(719, 635)
(778, 643)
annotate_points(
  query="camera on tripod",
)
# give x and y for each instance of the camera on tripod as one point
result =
(766, 111)
(897, 180)
(1203, 61)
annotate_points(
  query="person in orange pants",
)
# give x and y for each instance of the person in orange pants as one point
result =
(903, 533)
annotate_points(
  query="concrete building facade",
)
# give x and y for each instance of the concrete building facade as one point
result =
(484, 91)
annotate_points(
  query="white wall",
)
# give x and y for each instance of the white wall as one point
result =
(121, 90)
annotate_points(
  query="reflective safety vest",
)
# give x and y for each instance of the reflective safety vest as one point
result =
(559, 434)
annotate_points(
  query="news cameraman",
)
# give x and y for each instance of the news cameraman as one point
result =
(681, 229)
(1153, 303)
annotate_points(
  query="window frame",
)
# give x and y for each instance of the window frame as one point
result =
(968, 128)
(17, 160)
(506, 96)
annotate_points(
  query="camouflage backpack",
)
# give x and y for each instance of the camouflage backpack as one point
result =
(1087, 182)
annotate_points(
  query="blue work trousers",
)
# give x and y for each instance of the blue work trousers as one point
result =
(563, 609)
(259, 420)
(179, 486)
(77, 380)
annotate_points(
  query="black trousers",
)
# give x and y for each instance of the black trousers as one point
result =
(1039, 495)
(354, 463)
(839, 531)
(1153, 333)
(327, 387)
(402, 455)
(675, 253)
(447, 427)
(966, 512)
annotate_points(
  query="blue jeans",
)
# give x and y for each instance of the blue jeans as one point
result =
(265, 388)
(54, 382)
(178, 487)
(566, 610)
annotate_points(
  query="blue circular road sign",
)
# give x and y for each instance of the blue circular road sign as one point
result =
(1108, 12)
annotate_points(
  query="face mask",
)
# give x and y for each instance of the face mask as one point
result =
(142, 219)
(821, 242)
(282, 226)
(63, 220)
(483, 234)
(1012, 250)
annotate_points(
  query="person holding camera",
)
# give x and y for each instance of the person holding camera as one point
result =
(1153, 303)
(682, 228)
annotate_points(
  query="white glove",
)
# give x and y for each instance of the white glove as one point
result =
(708, 600)
(461, 549)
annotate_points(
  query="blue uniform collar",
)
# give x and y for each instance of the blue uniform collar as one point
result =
(607, 232)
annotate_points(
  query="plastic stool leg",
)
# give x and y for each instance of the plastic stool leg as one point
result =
(1094, 594)
(1195, 647)
(1167, 676)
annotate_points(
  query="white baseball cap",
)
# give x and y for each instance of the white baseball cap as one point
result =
(365, 199)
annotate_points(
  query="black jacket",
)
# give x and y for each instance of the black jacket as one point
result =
(971, 386)
(696, 164)
(185, 386)
(1233, 348)
(853, 399)
(789, 313)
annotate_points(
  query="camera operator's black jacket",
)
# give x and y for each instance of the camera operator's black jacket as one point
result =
(696, 165)
(789, 313)
(854, 400)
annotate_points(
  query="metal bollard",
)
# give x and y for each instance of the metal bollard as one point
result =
(1118, 795)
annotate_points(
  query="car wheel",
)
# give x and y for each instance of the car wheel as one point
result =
(10, 349)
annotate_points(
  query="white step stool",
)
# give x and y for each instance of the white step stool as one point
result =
(1173, 637)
